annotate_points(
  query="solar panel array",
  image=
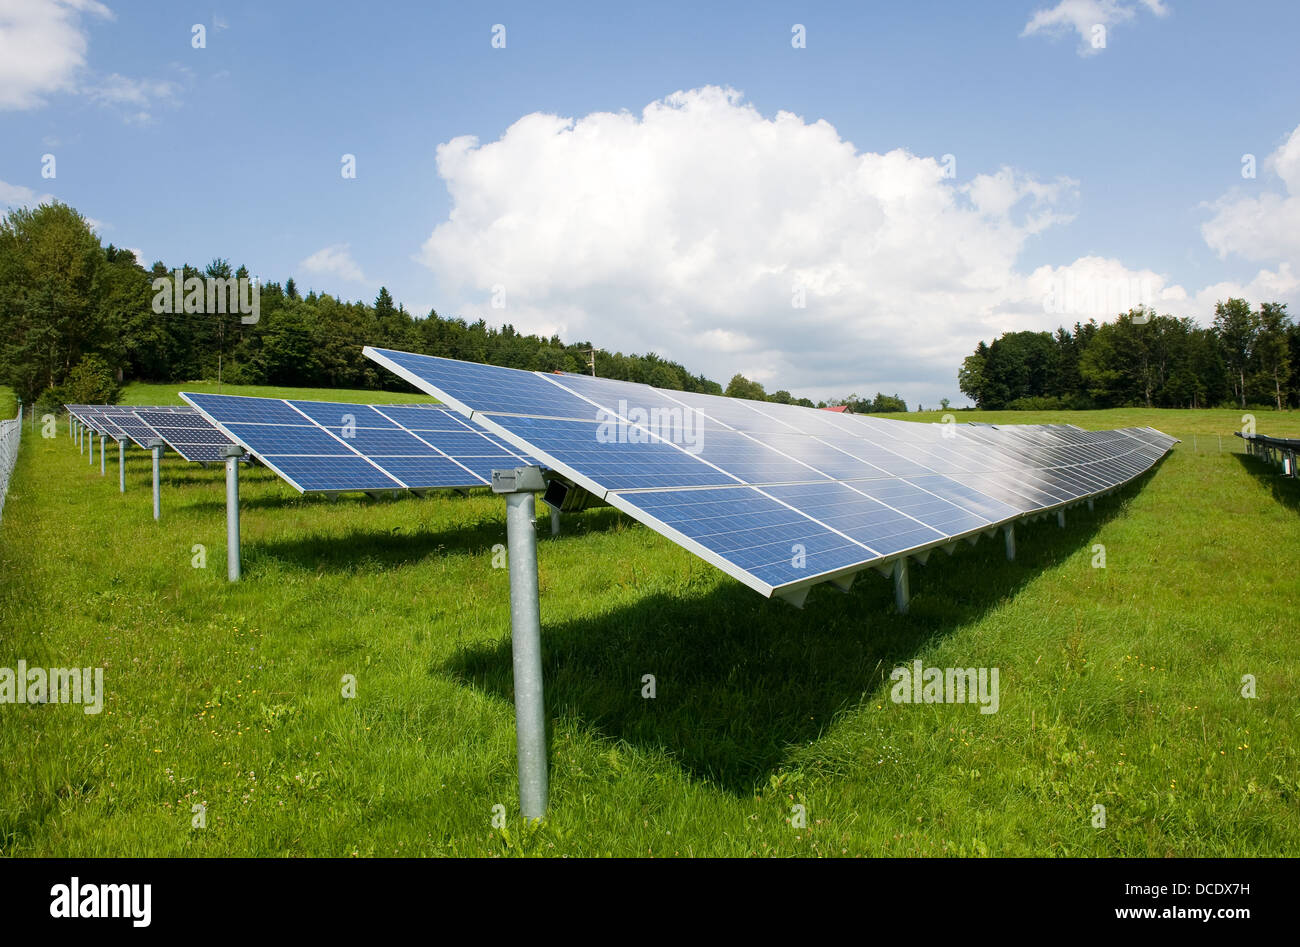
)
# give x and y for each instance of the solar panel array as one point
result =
(334, 447)
(782, 496)
(180, 427)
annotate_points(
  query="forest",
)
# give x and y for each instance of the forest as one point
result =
(80, 321)
(1244, 358)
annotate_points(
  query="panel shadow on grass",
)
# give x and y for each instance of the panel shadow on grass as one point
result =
(1285, 490)
(378, 550)
(742, 681)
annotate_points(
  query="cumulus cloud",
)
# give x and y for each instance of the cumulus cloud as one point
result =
(1264, 227)
(16, 195)
(734, 242)
(1082, 16)
(335, 260)
(1261, 228)
(42, 48)
(1279, 285)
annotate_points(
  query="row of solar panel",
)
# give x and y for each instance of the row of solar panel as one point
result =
(181, 428)
(781, 495)
(321, 446)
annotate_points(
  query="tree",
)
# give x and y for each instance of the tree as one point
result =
(91, 381)
(742, 387)
(1272, 346)
(49, 259)
(971, 377)
(884, 403)
(1236, 327)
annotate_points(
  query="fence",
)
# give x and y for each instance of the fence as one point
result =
(11, 433)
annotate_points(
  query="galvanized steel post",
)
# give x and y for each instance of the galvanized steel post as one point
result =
(232, 454)
(518, 486)
(156, 446)
(900, 585)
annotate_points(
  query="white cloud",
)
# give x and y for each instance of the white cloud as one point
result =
(1083, 16)
(688, 230)
(135, 96)
(336, 261)
(1264, 227)
(15, 195)
(42, 48)
(1280, 285)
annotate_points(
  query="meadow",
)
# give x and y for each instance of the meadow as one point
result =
(1120, 686)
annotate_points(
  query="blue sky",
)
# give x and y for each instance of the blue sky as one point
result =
(686, 232)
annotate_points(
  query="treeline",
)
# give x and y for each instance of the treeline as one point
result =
(79, 320)
(1246, 357)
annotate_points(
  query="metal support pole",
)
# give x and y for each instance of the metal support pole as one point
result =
(1009, 531)
(233, 453)
(518, 486)
(1089, 504)
(121, 466)
(90, 448)
(81, 438)
(555, 522)
(102, 439)
(157, 447)
(900, 585)
(1060, 518)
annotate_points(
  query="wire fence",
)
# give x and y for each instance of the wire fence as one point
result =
(1212, 443)
(11, 433)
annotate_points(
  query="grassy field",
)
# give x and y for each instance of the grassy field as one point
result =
(1120, 686)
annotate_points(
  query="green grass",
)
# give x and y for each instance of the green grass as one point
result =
(1119, 686)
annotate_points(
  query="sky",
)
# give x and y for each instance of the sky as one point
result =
(826, 198)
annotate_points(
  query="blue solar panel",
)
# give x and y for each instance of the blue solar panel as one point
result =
(135, 429)
(495, 389)
(744, 526)
(780, 495)
(333, 447)
(187, 433)
(653, 463)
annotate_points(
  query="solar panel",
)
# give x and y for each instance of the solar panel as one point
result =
(187, 433)
(781, 496)
(136, 430)
(334, 447)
